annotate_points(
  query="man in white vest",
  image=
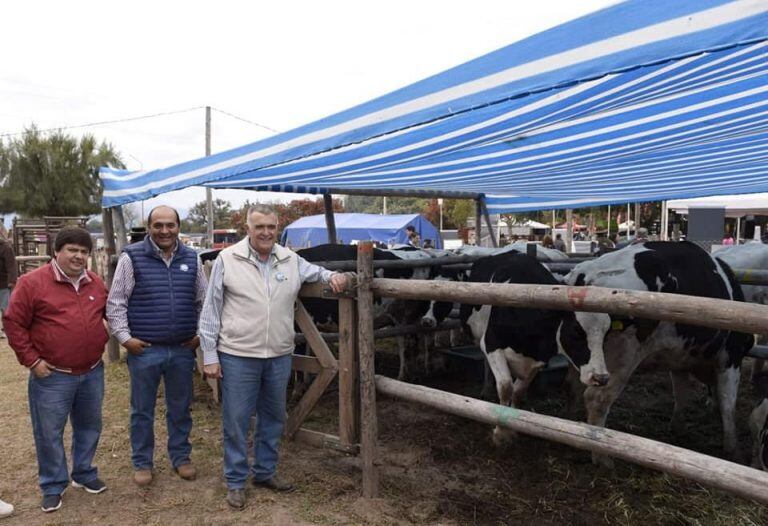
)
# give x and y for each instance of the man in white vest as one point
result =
(246, 333)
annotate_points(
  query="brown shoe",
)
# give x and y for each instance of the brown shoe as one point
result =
(142, 477)
(275, 483)
(236, 498)
(187, 471)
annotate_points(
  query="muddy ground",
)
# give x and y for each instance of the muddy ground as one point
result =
(435, 468)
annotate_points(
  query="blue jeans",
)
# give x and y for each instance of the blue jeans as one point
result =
(251, 385)
(175, 364)
(52, 400)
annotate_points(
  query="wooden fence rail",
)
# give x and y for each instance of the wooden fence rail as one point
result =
(710, 471)
(707, 312)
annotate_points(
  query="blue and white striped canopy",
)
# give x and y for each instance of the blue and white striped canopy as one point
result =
(645, 100)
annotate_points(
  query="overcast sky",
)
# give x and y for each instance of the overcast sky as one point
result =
(280, 64)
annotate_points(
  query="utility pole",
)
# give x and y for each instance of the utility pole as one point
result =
(208, 190)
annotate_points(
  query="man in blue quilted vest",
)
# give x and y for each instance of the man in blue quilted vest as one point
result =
(153, 308)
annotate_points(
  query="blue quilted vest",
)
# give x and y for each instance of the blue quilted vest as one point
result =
(162, 306)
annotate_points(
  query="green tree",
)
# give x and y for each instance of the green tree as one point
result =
(197, 218)
(456, 212)
(53, 174)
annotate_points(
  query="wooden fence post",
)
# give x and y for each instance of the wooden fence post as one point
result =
(368, 424)
(349, 422)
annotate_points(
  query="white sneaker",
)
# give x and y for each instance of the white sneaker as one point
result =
(5, 509)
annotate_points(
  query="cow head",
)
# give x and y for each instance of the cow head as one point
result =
(580, 338)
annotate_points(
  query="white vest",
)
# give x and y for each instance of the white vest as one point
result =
(256, 323)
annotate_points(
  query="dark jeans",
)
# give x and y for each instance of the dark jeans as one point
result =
(52, 400)
(175, 364)
(248, 386)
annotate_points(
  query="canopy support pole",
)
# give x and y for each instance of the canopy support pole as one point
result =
(608, 233)
(488, 223)
(478, 223)
(208, 190)
(330, 221)
(738, 230)
(664, 221)
(569, 230)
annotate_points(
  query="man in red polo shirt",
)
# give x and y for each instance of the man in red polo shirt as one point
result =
(55, 324)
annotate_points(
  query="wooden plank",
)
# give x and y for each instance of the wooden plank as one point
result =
(308, 401)
(324, 441)
(213, 383)
(368, 422)
(306, 364)
(679, 308)
(714, 472)
(349, 423)
(314, 339)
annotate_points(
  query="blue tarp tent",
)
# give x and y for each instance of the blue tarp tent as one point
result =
(643, 100)
(389, 229)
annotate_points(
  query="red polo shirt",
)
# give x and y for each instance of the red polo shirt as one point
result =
(47, 318)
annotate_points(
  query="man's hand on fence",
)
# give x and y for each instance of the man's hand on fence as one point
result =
(212, 370)
(135, 346)
(338, 282)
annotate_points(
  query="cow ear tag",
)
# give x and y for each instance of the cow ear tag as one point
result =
(617, 325)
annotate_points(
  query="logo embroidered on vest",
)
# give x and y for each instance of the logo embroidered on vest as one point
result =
(280, 276)
(184, 267)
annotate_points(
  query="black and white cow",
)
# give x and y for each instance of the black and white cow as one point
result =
(758, 424)
(438, 311)
(713, 356)
(518, 342)
(542, 253)
(749, 256)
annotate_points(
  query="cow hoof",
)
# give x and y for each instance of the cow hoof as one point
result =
(602, 461)
(503, 437)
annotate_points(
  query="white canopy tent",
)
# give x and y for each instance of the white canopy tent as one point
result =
(734, 205)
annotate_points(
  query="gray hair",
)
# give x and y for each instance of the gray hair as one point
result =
(259, 209)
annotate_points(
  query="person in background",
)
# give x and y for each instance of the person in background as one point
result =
(547, 242)
(728, 239)
(413, 236)
(558, 243)
(641, 237)
(247, 337)
(503, 240)
(55, 325)
(153, 308)
(8, 276)
(427, 243)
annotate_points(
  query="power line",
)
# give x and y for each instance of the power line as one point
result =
(245, 120)
(102, 123)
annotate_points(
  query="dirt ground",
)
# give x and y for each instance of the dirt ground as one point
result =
(435, 469)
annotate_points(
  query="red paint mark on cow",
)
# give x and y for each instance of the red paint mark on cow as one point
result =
(576, 296)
